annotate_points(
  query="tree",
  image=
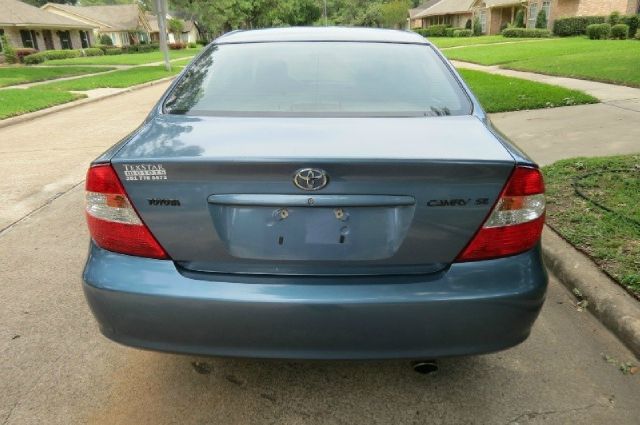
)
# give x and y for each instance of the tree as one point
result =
(8, 50)
(105, 2)
(395, 13)
(519, 21)
(106, 40)
(477, 26)
(175, 26)
(541, 20)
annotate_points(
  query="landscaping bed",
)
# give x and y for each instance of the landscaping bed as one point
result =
(497, 93)
(613, 61)
(12, 75)
(594, 203)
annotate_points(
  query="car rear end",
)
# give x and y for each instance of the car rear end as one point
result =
(319, 194)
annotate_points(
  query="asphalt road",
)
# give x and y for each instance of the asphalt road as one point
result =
(56, 368)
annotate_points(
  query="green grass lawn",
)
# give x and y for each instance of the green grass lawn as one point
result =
(20, 101)
(614, 61)
(445, 42)
(607, 226)
(12, 75)
(116, 79)
(500, 94)
(126, 59)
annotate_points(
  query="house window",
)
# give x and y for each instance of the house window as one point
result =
(29, 39)
(533, 15)
(546, 6)
(65, 40)
(1, 34)
(483, 21)
(84, 39)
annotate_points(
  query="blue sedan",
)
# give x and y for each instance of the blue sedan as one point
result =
(317, 193)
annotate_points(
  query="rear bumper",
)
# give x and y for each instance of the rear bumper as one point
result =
(470, 308)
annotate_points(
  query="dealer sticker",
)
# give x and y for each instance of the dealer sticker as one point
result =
(144, 172)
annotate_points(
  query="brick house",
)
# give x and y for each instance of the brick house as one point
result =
(28, 26)
(455, 13)
(125, 24)
(496, 14)
(565, 8)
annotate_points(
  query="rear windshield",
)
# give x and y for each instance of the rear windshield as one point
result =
(318, 79)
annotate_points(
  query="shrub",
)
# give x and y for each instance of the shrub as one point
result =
(576, 25)
(634, 22)
(106, 40)
(140, 48)
(113, 51)
(23, 52)
(92, 51)
(463, 33)
(541, 20)
(178, 45)
(51, 55)
(202, 42)
(449, 31)
(614, 18)
(468, 24)
(526, 33)
(638, 35)
(477, 26)
(598, 31)
(193, 45)
(9, 52)
(519, 21)
(620, 31)
(432, 31)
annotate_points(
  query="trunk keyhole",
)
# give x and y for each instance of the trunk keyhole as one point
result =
(342, 238)
(280, 240)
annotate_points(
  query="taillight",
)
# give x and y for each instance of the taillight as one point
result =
(113, 222)
(516, 221)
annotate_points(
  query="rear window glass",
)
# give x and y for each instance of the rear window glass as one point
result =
(318, 79)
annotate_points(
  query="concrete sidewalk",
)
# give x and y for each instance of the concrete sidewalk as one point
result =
(549, 135)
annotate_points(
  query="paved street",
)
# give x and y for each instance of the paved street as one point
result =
(56, 368)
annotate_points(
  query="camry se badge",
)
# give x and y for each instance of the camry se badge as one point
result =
(310, 179)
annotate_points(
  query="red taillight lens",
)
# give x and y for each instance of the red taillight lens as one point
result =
(516, 221)
(113, 222)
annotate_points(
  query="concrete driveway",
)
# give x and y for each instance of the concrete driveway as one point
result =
(56, 368)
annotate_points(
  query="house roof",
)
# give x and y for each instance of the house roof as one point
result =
(153, 22)
(447, 7)
(416, 10)
(116, 17)
(17, 13)
(500, 3)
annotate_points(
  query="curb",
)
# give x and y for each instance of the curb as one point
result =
(73, 104)
(609, 302)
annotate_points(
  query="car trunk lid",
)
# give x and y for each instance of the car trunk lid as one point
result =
(403, 195)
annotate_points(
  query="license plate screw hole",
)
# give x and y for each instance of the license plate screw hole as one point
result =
(283, 213)
(339, 212)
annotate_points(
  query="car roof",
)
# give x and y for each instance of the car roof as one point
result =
(322, 34)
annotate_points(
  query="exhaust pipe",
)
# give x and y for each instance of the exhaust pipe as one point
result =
(425, 367)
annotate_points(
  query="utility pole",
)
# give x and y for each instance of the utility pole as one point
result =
(161, 13)
(325, 13)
